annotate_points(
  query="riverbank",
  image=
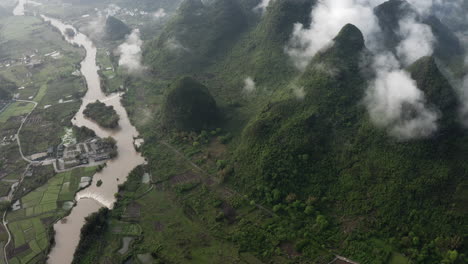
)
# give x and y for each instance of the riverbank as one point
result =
(116, 171)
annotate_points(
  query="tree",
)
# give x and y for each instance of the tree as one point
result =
(321, 222)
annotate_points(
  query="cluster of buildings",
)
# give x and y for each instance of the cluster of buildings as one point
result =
(91, 152)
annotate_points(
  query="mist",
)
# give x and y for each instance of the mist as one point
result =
(263, 5)
(160, 13)
(418, 41)
(249, 85)
(131, 53)
(328, 18)
(299, 92)
(96, 27)
(393, 100)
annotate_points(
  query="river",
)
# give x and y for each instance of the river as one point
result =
(92, 198)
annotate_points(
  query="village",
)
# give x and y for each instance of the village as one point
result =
(92, 152)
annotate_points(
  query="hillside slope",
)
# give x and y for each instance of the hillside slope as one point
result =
(317, 177)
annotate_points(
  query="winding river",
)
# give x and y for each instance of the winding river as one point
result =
(92, 198)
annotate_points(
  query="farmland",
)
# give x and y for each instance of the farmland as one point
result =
(44, 68)
(16, 109)
(31, 225)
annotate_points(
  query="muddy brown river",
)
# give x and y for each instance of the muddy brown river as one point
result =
(92, 198)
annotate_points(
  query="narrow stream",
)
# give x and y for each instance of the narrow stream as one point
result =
(92, 198)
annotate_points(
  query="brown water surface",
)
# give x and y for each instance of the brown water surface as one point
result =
(92, 198)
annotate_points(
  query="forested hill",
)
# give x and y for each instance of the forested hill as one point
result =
(302, 142)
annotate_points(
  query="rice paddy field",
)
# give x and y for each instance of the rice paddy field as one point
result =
(16, 109)
(31, 225)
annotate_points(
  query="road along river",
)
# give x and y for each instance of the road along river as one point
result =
(92, 198)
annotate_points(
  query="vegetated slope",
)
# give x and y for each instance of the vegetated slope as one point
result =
(96, 224)
(430, 80)
(325, 148)
(189, 106)
(6, 88)
(104, 115)
(259, 52)
(312, 154)
(447, 46)
(116, 29)
(195, 36)
(256, 49)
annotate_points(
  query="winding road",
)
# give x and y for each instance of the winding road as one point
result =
(19, 130)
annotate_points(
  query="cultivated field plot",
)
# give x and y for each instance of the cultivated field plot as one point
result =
(16, 109)
(111, 80)
(25, 34)
(40, 209)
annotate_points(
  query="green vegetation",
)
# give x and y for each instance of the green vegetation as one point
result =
(83, 133)
(104, 115)
(189, 106)
(31, 226)
(16, 109)
(111, 144)
(96, 224)
(335, 182)
(180, 228)
(116, 29)
(296, 172)
(6, 88)
(179, 49)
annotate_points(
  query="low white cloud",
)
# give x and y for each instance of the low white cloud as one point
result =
(263, 5)
(249, 85)
(328, 18)
(174, 45)
(96, 27)
(160, 13)
(112, 10)
(394, 101)
(299, 92)
(418, 41)
(131, 53)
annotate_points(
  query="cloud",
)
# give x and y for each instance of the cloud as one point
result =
(263, 5)
(418, 41)
(95, 28)
(249, 85)
(160, 13)
(393, 99)
(131, 53)
(328, 18)
(174, 45)
(299, 92)
(112, 10)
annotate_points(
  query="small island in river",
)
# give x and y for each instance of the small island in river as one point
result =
(102, 114)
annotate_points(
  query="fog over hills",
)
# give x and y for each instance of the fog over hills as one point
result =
(274, 131)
